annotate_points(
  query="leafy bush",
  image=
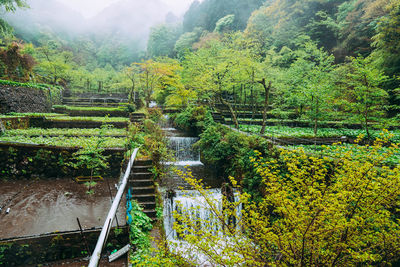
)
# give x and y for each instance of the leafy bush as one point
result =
(139, 232)
(314, 212)
(194, 119)
(229, 151)
(155, 114)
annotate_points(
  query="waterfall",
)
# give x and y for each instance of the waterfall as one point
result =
(185, 154)
(195, 207)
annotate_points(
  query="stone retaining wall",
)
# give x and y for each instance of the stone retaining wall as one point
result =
(20, 99)
(25, 161)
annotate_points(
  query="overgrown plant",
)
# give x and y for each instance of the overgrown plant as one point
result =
(139, 227)
(337, 211)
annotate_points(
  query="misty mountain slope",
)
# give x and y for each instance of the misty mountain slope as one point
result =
(46, 16)
(125, 19)
(132, 18)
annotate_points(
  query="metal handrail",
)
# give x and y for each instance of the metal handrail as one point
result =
(94, 260)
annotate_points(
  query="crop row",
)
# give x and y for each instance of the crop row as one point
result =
(98, 119)
(357, 152)
(297, 132)
(41, 86)
(106, 142)
(21, 115)
(65, 132)
(110, 109)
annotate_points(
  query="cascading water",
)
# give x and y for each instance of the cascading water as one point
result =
(194, 206)
(185, 154)
(191, 204)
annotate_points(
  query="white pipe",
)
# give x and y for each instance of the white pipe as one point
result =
(94, 260)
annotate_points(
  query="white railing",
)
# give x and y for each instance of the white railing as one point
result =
(94, 260)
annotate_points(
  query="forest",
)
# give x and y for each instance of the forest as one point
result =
(295, 104)
(320, 61)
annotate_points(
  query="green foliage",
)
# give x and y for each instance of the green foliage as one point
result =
(298, 132)
(40, 86)
(52, 132)
(311, 211)
(9, 6)
(206, 14)
(194, 119)
(224, 24)
(155, 114)
(139, 233)
(185, 42)
(91, 156)
(97, 119)
(228, 150)
(162, 40)
(108, 142)
(363, 93)
(12, 5)
(152, 139)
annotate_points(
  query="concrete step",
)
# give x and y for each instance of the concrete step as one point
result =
(151, 213)
(144, 198)
(141, 169)
(148, 205)
(141, 176)
(141, 183)
(136, 190)
(143, 163)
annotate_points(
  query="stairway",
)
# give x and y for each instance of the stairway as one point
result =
(142, 187)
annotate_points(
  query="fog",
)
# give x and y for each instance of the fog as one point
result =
(127, 19)
(90, 8)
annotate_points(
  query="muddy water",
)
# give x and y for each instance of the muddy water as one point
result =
(53, 205)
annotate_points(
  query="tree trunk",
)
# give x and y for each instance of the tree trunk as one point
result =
(316, 117)
(366, 124)
(226, 103)
(266, 103)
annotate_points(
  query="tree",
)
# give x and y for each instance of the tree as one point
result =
(387, 51)
(224, 24)
(131, 73)
(363, 94)
(9, 6)
(310, 82)
(15, 64)
(54, 65)
(157, 76)
(186, 41)
(12, 5)
(217, 71)
(162, 40)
